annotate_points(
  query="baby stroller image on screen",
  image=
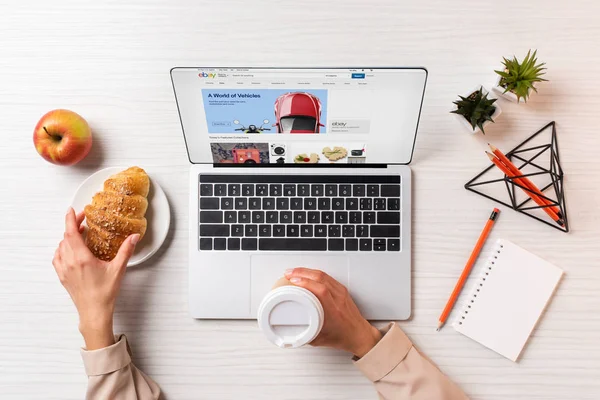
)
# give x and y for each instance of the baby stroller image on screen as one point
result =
(298, 112)
(278, 153)
(252, 128)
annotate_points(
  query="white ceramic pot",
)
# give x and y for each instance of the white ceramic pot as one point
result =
(462, 120)
(508, 95)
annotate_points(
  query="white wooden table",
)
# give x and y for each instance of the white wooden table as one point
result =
(110, 61)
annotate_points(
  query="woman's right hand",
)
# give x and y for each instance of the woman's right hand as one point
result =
(344, 327)
(92, 284)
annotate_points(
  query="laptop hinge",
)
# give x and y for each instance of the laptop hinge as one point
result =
(225, 165)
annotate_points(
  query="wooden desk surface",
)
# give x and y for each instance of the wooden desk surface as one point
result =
(110, 62)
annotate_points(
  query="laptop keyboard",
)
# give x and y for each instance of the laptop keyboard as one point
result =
(299, 213)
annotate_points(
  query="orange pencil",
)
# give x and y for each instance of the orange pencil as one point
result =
(527, 182)
(467, 270)
(519, 181)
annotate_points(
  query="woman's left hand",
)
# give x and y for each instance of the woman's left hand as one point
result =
(93, 284)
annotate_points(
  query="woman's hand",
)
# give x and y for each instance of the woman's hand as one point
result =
(344, 327)
(92, 284)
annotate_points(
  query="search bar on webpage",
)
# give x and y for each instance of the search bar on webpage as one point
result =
(279, 75)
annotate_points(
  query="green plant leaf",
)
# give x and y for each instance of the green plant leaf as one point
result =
(480, 125)
(476, 108)
(520, 77)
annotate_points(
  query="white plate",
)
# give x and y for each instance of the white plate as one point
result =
(158, 214)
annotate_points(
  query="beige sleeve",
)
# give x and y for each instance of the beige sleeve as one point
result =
(400, 372)
(112, 375)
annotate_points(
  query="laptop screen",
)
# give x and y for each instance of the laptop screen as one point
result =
(299, 116)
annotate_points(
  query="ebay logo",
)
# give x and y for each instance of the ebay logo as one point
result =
(205, 75)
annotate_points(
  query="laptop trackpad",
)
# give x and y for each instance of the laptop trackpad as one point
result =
(266, 269)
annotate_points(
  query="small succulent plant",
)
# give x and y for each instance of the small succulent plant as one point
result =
(519, 77)
(476, 108)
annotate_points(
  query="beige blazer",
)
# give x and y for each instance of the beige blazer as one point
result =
(397, 369)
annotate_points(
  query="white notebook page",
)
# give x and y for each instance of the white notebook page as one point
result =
(509, 297)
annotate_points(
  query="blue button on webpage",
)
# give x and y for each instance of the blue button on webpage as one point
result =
(358, 76)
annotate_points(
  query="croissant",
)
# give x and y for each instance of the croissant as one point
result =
(117, 212)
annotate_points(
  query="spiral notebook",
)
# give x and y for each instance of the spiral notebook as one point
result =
(508, 299)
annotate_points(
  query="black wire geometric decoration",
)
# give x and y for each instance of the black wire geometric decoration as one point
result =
(552, 173)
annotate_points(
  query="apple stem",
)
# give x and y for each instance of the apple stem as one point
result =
(54, 137)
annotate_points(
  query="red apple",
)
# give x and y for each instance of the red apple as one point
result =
(62, 137)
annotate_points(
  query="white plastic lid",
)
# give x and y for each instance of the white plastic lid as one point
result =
(290, 316)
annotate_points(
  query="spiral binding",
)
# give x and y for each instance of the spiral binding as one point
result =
(484, 275)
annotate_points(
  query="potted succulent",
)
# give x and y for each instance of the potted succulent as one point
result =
(517, 79)
(476, 110)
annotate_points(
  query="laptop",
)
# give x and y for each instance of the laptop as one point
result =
(299, 167)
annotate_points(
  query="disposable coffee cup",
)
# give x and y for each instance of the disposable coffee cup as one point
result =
(290, 316)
